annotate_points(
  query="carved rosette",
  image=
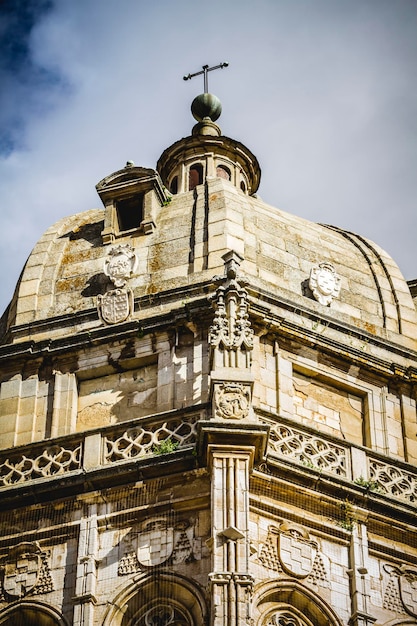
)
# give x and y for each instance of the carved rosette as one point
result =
(324, 283)
(116, 305)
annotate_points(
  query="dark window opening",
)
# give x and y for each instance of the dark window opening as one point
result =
(174, 185)
(195, 176)
(243, 186)
(223, 172)
(130, 213)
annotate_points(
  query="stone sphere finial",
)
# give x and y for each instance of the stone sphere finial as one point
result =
(206, 105)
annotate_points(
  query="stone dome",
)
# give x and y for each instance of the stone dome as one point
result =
(63, 277)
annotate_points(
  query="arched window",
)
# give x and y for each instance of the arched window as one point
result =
(174, 185)
(223, 172)
(195, 176)
(243, 186)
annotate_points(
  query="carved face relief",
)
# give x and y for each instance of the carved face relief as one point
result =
(324, 283)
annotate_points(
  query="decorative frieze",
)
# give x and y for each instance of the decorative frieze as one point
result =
(52, 461)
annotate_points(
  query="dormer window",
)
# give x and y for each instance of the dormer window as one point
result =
(130, 212)
(195, 176)
(132, 198)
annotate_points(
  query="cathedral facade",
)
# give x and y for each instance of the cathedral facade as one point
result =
(207, 410)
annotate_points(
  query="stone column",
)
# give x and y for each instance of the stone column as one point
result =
(231, 582)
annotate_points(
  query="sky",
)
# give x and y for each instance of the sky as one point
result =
(323, 92)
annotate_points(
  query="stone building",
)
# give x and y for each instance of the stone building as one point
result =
(207, 411)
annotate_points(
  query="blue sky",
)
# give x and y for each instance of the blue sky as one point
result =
(322, 91)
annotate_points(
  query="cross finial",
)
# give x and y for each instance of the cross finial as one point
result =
(206, 69)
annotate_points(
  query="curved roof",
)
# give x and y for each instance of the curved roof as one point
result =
(64, 274)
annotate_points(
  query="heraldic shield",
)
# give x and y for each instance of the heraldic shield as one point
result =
(22, 570)
(297, 552)
(115, 306)
(408, 589)
(155, 543)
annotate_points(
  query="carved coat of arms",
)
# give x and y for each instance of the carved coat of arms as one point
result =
(21, 570)
(296, 551)
(116, 305)
(324, 283)
(156, 543)
(120, 264)
(232, 401)
(408, 588)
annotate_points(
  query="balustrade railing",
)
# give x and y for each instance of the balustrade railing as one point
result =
(168, 432)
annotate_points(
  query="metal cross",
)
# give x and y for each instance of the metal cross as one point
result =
(206, 69)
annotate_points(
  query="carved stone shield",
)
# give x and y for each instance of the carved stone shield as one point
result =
(408, 589)
(296, 550)
(115, 306)
(21, 571)
(232, 401)
(155, 543)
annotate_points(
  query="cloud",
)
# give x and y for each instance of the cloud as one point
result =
(322, 92)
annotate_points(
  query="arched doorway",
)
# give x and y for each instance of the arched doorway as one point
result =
(161, 599)
(31, 614)
(288, 603)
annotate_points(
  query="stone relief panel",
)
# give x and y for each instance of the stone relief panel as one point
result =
(401, 591)
(328, 408)
(116, 305)
(232, 401)
(117, 397)
(160, 542)
(290, 550)
(324, 283)
(25, 571)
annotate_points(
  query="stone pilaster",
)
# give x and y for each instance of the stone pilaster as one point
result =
(231, 583)
(231, 344)
(359, 577)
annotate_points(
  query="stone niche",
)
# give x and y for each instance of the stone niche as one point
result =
(117, 397)
(328, 408)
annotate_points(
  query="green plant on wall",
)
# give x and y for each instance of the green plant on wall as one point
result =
(166, 446)
(348, 521)
(371, 485)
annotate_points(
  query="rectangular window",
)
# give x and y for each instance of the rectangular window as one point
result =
(130, 213)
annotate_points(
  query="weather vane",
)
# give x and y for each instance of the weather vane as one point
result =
(206, 69)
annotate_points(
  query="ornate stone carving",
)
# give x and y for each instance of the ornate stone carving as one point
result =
(324, 283)
(309, 450)
(232, 401)
(290, 550)
(120, 264)
(296, 551)
(159, 542)
(25, 571)
(231, 336)
(116, 305)
(51, 461)
(401, 592)
(393, 480)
